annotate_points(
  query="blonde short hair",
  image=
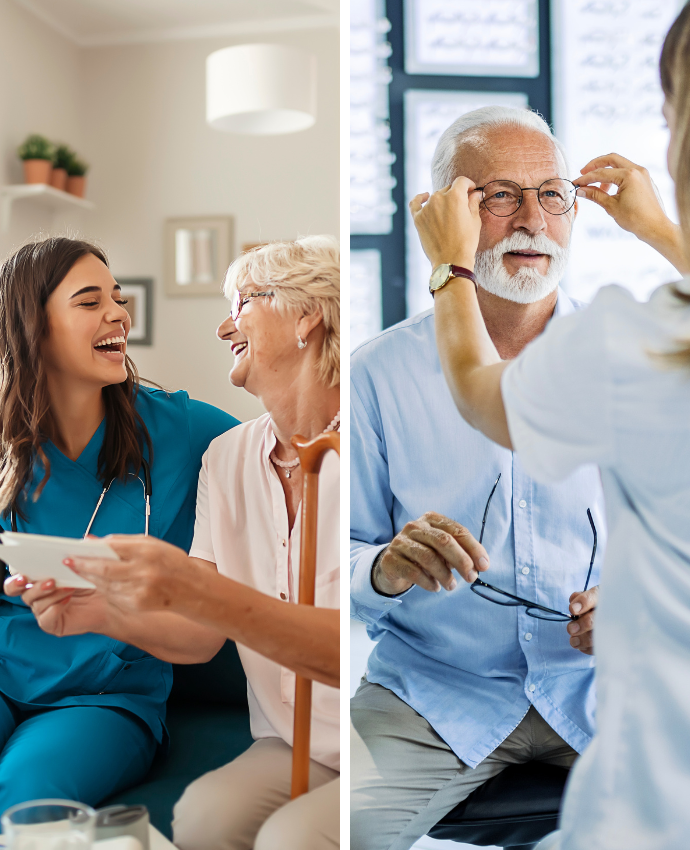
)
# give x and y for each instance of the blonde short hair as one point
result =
(305, 275)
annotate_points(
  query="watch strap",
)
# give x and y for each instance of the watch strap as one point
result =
(459, 271)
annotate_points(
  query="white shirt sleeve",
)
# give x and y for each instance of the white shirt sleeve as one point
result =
(202, 545)
(558, 394)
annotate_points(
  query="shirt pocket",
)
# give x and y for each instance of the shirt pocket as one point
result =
(143, 676)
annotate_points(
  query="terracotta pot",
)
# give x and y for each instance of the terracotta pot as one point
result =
(76, 186)
(59, 179)
(37, 170)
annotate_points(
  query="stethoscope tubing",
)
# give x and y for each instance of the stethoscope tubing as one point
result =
(148, 491)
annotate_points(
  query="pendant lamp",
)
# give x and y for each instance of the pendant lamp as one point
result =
(260, 89)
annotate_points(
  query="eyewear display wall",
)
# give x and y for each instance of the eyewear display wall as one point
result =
(595, 61)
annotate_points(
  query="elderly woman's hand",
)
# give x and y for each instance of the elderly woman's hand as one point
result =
(635, 207)
(448, 223)
(151, 575)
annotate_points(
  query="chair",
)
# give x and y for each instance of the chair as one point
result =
(513, 810)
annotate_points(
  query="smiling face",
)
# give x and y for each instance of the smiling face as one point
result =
(531, 244)
(87, 326)
(264, 343)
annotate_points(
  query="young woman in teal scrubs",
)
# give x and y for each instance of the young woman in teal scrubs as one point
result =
(81, 714)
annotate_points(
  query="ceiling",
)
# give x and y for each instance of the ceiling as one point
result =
(97, 22)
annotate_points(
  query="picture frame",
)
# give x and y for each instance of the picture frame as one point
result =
(139, 294)
(198, 251)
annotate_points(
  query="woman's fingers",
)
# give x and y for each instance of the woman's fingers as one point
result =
(602, 175)
(15, 585)
(418, 202)
(611, 159)
(599, 196)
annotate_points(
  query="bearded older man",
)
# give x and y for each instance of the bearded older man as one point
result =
(458, 687)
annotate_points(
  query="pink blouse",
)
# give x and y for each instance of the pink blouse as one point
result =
(242, 527)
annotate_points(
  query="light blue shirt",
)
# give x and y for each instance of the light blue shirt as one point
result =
(470, 667)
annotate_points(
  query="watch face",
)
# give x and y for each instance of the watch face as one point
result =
(439, 276)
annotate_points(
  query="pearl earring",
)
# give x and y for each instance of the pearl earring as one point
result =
(301, 343)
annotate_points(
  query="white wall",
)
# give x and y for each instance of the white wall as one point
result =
(137, 114)
(155, 157)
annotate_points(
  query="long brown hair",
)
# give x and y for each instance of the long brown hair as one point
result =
(674, 68)
(27, 279)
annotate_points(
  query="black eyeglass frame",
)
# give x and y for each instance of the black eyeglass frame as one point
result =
(518, 600)
(536, 189)
(240, 299)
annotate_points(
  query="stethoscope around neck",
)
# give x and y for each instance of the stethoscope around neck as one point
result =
(146, 484)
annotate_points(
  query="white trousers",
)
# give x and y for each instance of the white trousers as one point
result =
(246, 805)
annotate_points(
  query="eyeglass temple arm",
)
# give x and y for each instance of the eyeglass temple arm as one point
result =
(594, 548)
(486, 509)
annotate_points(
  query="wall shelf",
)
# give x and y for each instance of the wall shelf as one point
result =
(40, 194)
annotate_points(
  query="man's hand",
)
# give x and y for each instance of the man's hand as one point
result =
(448, 223)
(635, 207)
(582, 631)
(60, 611)
(426, 552)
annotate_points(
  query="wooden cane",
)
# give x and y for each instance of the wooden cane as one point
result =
(310, 456)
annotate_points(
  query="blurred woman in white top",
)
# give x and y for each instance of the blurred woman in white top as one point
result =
(610, 385)
(284, 329)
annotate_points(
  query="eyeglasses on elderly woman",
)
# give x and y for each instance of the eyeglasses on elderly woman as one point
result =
(502, 597)
(242, 298)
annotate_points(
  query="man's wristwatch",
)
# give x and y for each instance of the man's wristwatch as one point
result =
(445, 272)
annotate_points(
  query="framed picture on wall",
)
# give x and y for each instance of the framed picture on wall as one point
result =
(198, 252)
(139, 294)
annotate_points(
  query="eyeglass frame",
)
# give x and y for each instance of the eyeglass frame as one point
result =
(519, 600)
(527, 189)
(240, 299)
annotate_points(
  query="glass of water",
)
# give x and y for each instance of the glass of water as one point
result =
(49, 825)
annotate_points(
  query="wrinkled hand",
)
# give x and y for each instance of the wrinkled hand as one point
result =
(582, 631)
(151, 576)
(636, 206)
(448, 223)
(425, 553)
(59, 611)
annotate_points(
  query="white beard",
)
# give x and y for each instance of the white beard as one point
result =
(528, 285)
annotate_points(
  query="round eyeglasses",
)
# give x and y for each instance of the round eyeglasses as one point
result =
(503, 197)
(241, 298)
(533, 609)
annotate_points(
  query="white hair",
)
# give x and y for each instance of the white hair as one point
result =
(443, 165)
(305, 275)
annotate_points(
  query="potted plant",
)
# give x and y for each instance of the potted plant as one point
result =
(76, 176)
(61, 159)
(37, 154)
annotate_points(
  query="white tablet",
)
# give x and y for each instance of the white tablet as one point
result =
(39, 556)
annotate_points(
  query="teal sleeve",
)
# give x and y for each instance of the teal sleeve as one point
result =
(206, 422)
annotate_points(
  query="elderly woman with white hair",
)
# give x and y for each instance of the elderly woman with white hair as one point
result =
(242, 571)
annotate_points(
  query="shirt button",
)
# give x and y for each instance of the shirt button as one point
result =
(522, 503)
(532, 688)
(284, 543)
(283, 596)
(528, 636)
(525, 571)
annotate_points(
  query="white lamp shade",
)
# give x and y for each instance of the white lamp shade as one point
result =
(260, 89)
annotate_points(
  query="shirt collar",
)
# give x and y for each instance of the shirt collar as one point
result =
(564, 304)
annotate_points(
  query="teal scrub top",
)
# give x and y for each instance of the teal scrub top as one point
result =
(38, 670)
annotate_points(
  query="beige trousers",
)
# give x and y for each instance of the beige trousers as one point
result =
(246, 805)
(405, 778)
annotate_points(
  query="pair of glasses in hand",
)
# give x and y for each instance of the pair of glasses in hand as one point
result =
(502, 597)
